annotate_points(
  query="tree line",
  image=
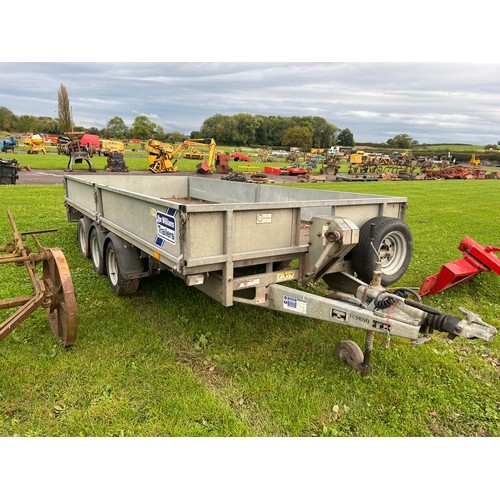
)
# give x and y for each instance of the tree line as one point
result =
(237, 130)
(245, 129)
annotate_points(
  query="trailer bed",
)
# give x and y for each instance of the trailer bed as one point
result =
(196, 224)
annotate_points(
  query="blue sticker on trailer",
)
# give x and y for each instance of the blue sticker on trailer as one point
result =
(294, 304)
(166, 227)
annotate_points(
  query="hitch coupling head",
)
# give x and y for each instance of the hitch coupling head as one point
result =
(469, 328)
(474, 327)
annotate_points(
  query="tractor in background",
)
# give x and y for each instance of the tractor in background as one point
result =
(8, 144)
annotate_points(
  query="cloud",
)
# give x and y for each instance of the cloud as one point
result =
(431, 102)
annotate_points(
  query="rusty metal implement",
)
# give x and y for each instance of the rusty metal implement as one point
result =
(53, 290)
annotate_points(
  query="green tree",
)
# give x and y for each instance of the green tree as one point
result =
(221, 128)
(27, 123)
(8, 120)
(401, 141)
(323, 132)
(64, 110)
(245, 129)
(47, 125)
(276, 127)
(143, 127)
(245, 126)
(345, 138)
(93, 131)
(176, 136)
(117, 128)
(297, 136)
(159, 133)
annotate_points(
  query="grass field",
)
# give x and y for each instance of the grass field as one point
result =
(169, 361)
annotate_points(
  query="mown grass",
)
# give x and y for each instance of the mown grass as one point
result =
(170, 361)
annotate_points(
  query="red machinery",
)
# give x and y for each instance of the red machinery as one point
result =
(239, 156)
(285, 170)
(475, 260)
(91, 139)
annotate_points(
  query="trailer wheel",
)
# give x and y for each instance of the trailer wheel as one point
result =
(393, 240)
(348, 350)
(118, 283)
(82, 236)
(96, 253)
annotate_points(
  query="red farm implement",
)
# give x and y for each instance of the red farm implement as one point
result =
(475, 259)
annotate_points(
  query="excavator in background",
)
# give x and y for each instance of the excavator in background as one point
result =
(163, 157)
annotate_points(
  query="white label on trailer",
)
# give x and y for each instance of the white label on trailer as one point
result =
(297, 305)
(264, 218)
(260, 299)
(166, 227)
(253, 282)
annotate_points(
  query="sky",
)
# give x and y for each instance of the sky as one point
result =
(431, 102)
(372, 67)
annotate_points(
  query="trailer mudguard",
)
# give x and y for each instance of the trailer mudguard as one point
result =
(129, 261)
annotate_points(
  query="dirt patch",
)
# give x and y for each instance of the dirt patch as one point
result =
(208, 373)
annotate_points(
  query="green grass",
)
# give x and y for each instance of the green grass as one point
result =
(170, 361)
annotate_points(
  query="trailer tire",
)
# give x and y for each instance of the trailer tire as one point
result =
(348, 349)
(393, 240)
(118, 283)
(96, 252)
(82, 236)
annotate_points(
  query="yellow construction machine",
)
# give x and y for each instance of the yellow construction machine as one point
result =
(106, 147)
(194, 154)
(358, 157)
(35, 143)
(161, 155)
(317, 151)
(475, 161)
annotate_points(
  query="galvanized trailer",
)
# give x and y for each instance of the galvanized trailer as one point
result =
(235, 242)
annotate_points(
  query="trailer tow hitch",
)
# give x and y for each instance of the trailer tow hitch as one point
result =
(373, 308)
(470, 327)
